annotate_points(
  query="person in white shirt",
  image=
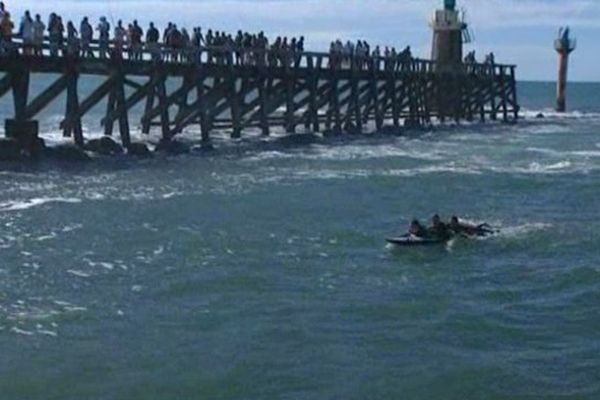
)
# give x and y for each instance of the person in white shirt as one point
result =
(104, 29)
(26, 32)
(38, 35)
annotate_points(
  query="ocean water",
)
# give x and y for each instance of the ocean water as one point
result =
(261, 272)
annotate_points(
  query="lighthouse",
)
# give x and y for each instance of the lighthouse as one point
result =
(564, 46)
(449, 34)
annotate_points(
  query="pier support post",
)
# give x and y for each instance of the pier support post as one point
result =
(290, 83)
(513, 90)
(313, 82)
(234, 99)
(334, 104)
(110, 107)
(20, 128)
(121, 107)
(73, 117)
(355, 103)
(375, 66)
(204, 125)
(264, 89)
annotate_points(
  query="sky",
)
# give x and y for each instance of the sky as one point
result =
(518, 31)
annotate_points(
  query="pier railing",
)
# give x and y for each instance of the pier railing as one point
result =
(159, 52)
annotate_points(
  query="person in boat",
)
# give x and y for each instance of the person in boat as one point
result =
(416, 229)
(460, 228)
(439, 230)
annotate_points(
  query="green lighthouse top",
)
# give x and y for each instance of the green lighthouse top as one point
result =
(449, 5)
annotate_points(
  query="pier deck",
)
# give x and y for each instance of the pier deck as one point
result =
(216, 90)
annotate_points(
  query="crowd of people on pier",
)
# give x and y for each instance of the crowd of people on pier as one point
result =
(470, 58)
(174, 44)
(360, 54)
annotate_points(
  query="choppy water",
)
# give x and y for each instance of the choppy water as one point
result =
(259, 275)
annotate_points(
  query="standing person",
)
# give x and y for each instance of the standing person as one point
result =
(197, 40)
(6, 32)
(198, 37)
(136, 35)
(152, 37)
(26, 32)
(186, 45)
(129, 41)
(87, 34)
(120, 35)
(59, 32)
(72, 40)
(208, 43)
(53, 34)
(3, 11)
(104, 30)
(175, 43)
(38, 35)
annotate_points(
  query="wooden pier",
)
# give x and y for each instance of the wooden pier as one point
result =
(216, 91)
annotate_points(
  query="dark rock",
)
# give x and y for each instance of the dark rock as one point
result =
(67, 152)
(105, 146)
(36, 148)
(332, 132)
(352, 129)
(139, 150)
(10, 150)
(540, 116)
(412, 124)
(205, 147)
(298, 139)
(173, 147)
(390, 130)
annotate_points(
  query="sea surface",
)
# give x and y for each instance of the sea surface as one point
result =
(262, 272)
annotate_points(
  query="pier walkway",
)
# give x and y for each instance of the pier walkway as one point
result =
(216, 91)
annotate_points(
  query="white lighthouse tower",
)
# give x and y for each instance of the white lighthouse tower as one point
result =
(449, 34)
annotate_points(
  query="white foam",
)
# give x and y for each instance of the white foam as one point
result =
(26, 204)
(550, 114)
(106, 265)
(525, 229)
(572, 153)
(47, 332)
(71, 228)
(46, 237)
(20, 331)
(80, 274)
(537, 168)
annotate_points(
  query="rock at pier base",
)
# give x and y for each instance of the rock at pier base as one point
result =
(540, 116)
(204, 147)
(139, 150)
(332, 132)
(351, 129)
(172, 147)
(391, 130)
(68, 153)
(302, 139)
(10, 150)
(105, 146)
(412, 124)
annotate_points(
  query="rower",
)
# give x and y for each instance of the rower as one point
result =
(416, 229)
(439, 230)
(459, 228)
